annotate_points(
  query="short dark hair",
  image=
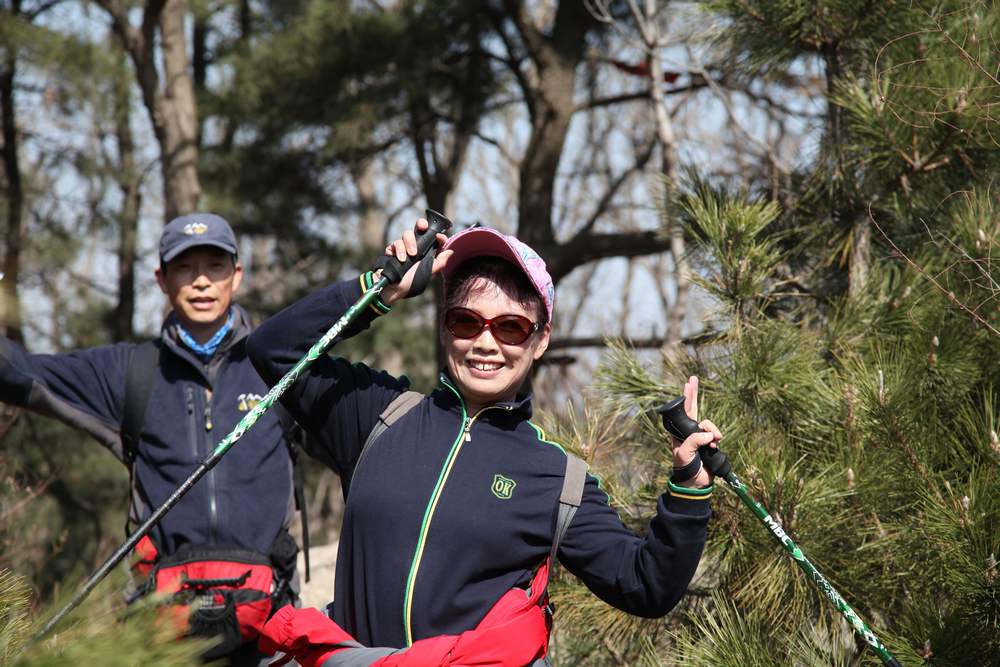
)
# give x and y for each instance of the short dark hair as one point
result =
(508, 277)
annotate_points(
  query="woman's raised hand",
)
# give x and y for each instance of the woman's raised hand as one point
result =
(710, 435)
(402, 249)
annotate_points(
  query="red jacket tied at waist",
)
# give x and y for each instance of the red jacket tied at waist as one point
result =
(514, 633)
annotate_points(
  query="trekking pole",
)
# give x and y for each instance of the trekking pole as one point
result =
(392, 273)
(680, 425)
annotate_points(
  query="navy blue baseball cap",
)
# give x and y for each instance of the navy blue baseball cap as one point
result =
(196, 229)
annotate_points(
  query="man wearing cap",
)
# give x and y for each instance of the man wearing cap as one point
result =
(452, 509)
(199, 384)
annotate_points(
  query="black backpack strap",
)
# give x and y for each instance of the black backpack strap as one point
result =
(295, 437)
(139, 380)
(392, 413)
(574, 480)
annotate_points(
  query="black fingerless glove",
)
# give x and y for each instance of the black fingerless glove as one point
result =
(390, 267)
(684, 473)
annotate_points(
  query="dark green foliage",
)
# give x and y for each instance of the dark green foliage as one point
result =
(96, 632)
(63, 502)
(880, 459)
(865, 424)
(775, 32)
(15, 599)
(61, 512)
(333, 85)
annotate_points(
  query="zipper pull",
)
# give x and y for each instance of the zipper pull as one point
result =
(468, 429)
(208, 410)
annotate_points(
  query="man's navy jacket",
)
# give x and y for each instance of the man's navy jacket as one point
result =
(448, 511)
(244, 501)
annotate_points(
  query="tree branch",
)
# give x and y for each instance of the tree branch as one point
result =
(589, 247)
(513, 62)
(602, 206)
(654, 342)
(697, 83)
(40, 9)
(533, 38)
(948, 293)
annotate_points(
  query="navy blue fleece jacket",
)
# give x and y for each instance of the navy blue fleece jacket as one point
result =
(244, 501)
(447, 511)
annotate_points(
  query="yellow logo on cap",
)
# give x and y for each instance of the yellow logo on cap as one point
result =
(193, 228)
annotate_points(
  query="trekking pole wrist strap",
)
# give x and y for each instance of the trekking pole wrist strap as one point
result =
(686, 472)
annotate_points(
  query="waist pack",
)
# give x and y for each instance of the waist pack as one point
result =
(227, 593)
(514, 633)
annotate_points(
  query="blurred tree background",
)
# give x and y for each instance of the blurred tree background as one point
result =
(794, 200)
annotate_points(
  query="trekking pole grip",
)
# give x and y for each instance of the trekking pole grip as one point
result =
(680, 425)
(394, 270)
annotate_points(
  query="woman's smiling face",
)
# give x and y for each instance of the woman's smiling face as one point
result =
(485, 370)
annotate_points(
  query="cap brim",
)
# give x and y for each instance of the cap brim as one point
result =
(479, 242)
(193, 243)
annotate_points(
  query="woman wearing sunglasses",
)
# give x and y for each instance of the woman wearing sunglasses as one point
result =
(454, 505)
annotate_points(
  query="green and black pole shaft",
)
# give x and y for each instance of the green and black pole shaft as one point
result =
(680, 425)
(392, 273)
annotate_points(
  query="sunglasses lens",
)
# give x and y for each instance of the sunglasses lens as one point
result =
(462, 323)
(511, 329)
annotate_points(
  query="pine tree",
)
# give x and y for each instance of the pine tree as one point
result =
(96, 632)
(864, 419)
(101, 629)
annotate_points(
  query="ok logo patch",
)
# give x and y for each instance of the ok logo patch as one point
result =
(502, 488)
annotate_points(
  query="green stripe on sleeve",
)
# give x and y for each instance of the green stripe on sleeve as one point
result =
(690, 493)
(367, 280)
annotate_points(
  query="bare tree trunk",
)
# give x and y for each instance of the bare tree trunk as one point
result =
(861, 256)
(551, 105)
(549, 96)
(649, 28)
(129, 181)
(14, 194)
(200, 57)
(372, 215)
(172, 110)
(245, 20)
(440, 156)
(180, 114)
(841, 210)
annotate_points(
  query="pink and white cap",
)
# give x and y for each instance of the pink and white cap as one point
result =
(484, 241)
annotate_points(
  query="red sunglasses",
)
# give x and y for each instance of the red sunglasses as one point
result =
(509, 329)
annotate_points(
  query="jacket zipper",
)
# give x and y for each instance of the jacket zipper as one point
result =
(469, 421)
(199, 455)
(464, 435)
(189, 399)
(197, 435)
(213, 508)
(208, 409)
